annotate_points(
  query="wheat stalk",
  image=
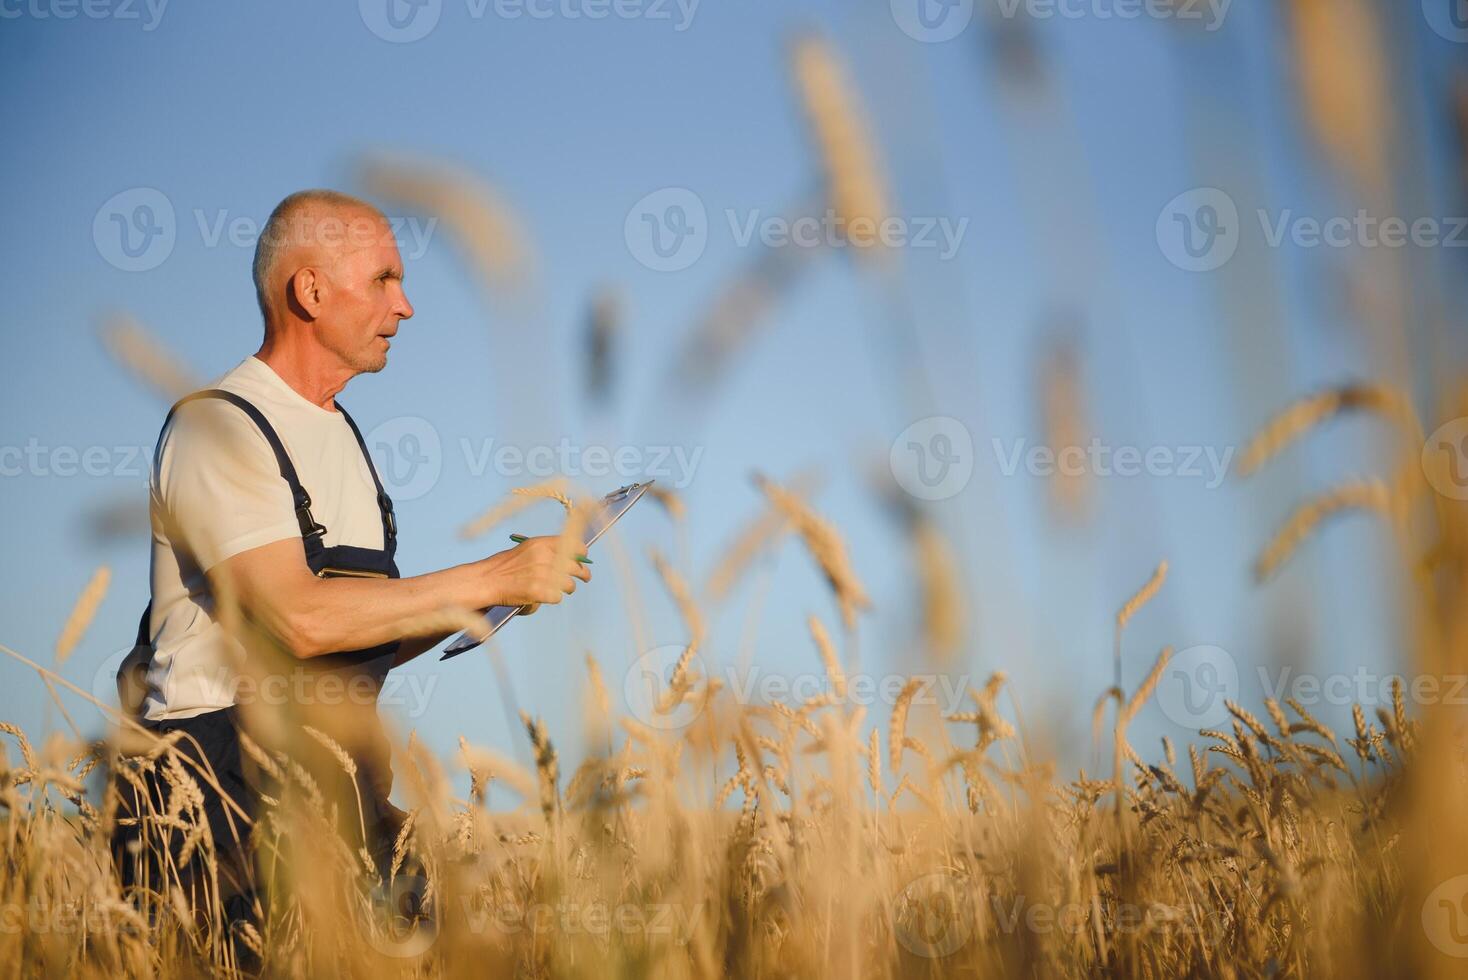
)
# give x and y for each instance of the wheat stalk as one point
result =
(1343, 73)
(141, 354)
(829, 660)
(1364, 495)
(476, 213)
(670, 501)
(400, 845)
(682, 595)
(449, 619)
(26, 752)
(82, 613)
(519, 499)
(348, 766)
(840, 132)
(874, 763)
(1063, 407)
(940, 588)
(546, 765)
(897, 728)
(824, 545)
(1132, 606)
(1307, 413)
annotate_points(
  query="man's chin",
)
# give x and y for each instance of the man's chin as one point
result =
(372, 363)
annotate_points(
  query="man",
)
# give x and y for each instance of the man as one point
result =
(277, 606)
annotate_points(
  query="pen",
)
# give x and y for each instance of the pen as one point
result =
(520, 539)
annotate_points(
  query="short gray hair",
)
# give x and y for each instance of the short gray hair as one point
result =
(277, 235)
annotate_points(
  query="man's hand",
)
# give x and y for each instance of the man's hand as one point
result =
(533, 572)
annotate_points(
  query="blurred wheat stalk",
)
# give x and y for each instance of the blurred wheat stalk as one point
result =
(496, 242)
(146, 358)
(843, 140)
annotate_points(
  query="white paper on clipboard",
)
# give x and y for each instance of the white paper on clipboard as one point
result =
(613, 506)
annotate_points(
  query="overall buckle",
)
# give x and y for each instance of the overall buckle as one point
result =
(388, 518)
(309, 527)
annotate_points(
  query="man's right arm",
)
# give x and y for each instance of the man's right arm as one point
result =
(310, 616)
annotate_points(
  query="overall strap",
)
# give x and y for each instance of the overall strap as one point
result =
(311, 532)
(384, 502)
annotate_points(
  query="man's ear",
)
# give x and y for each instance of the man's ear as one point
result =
(307, 292)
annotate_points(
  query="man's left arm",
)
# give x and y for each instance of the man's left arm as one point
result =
(413, 647)
(416, 646)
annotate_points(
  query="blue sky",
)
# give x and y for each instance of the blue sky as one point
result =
(225, 109)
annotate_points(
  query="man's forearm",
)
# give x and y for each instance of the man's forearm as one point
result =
(310, 616)
(413, 647)
(345, 613)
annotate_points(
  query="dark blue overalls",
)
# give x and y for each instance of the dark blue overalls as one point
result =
(217, 732)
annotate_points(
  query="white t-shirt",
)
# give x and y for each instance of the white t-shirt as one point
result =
(217, 490)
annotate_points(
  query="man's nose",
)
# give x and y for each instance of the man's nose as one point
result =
(402, 308)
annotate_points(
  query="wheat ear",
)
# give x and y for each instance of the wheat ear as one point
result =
(82, 613)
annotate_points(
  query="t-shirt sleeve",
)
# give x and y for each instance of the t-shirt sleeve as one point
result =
(218, 485)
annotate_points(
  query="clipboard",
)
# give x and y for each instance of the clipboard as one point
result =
(613, 506)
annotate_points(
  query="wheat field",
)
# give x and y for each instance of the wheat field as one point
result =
(716, 837)
(696, 831)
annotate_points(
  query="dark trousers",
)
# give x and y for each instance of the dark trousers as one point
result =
(212, 741)
(209, 743)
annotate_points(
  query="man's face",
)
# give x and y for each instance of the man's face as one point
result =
(364, 299)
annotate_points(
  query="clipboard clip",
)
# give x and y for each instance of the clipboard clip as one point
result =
(621, 492)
